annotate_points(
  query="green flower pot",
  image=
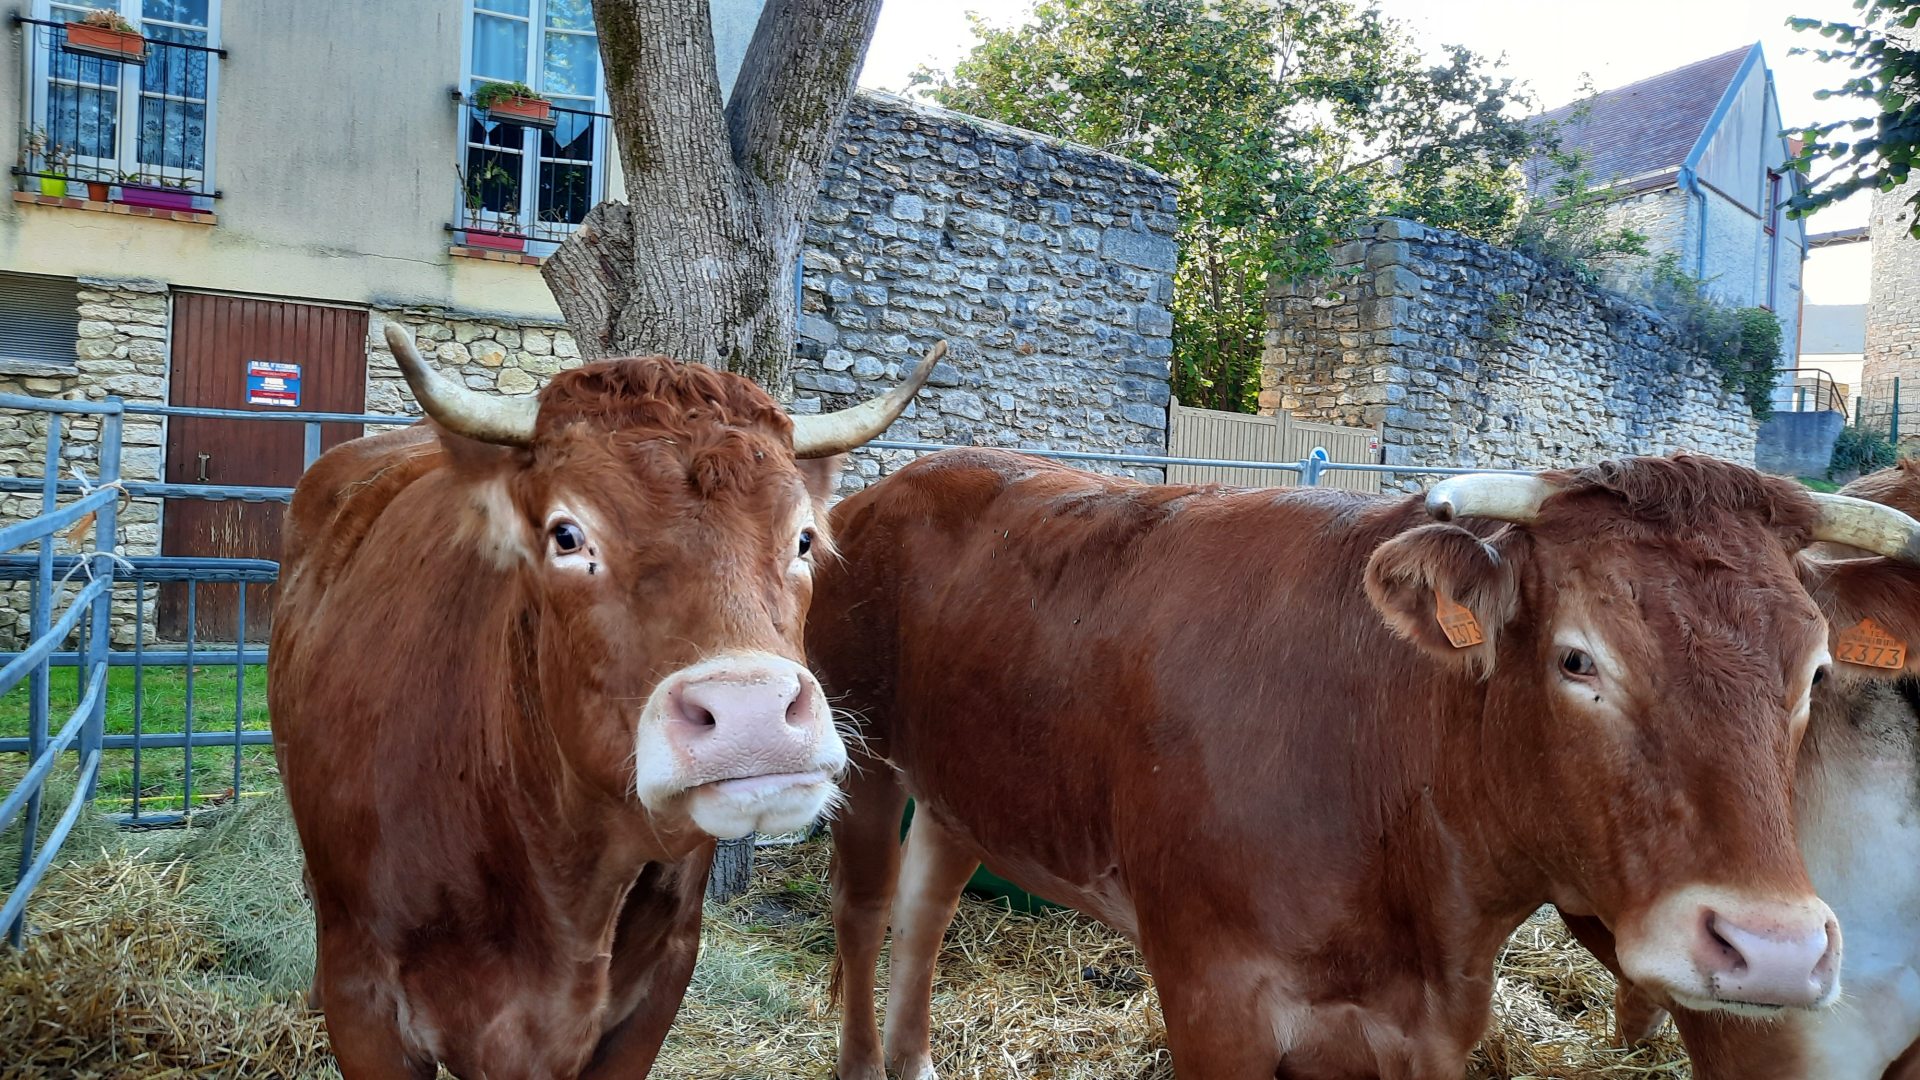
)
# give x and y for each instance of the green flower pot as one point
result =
(55, 186)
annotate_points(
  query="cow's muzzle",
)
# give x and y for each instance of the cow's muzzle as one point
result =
(746, 740)
(1716, 949)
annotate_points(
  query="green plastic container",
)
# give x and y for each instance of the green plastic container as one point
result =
(991, 886)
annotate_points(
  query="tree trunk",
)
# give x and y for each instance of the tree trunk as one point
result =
(699, 263)
(732, 869)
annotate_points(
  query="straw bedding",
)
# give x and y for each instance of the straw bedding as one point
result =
(185, 956)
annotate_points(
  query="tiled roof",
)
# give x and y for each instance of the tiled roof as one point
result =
(1641, 128)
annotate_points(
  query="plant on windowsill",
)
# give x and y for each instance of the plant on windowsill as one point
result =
(515, 104)
(43, 160)
(55, 159)
(493, 229)
(105, 35)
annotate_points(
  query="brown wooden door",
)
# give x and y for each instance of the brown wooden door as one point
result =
(214, 340)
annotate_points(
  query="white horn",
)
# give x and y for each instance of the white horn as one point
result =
(1868, 526)
(502, 420)
(1498, 496)
(839, 432)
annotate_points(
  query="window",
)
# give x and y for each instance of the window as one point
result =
(146, 124)
(1770, 220)
(524, 180)
(39, 324)
(1770, 203)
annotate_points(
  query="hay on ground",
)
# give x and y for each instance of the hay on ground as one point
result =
(186, 955)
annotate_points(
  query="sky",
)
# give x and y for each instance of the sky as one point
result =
(1550, 45)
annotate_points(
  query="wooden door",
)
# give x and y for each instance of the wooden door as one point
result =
(215, 339)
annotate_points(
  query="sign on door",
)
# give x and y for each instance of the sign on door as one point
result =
(273, 384)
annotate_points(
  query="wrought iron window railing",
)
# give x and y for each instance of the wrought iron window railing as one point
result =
(128, 124)
(524, 184)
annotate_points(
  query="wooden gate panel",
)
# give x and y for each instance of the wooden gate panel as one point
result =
(1204, 433)
(213, 339)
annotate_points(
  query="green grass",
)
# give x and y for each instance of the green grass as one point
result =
(1816, 484)
(163, 696)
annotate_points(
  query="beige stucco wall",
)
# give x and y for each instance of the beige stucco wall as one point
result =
(335, 147)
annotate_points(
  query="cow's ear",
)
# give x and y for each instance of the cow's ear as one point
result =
(821, 475)
(1447, 591)
(471, 458)
(1873, 613)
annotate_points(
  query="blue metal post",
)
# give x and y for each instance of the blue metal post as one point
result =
(106, 529)
(313, 444)
(1312, 466)
(39, 618)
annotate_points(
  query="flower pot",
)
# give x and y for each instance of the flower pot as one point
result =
(105, 43)
(97, 190)
(496, 241)
(522, 112)
(157, 198)
(53, 185)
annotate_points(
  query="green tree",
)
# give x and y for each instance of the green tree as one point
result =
(1281, 124)
(1876, 151)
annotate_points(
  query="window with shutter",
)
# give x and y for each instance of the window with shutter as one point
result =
(39, 324)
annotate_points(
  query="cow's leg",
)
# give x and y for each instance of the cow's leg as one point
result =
(866, 863)
(1636, 1017)
(362, 1023)
(936, 870)
(655, 947)
(1216, 1001)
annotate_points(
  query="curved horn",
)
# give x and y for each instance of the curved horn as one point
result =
(838, 432)
(505, 421)
(1868, 526)
(1499, 496)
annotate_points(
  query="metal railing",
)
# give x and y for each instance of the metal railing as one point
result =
(527, 183)
(1808, 389)
(131, 130)
(87, 613)
(153, 757)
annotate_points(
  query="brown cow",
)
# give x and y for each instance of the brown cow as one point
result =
(1857, 808)
(528, 661)
(1174, 708)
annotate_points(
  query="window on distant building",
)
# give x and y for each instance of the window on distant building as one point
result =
(539, 182)
(1770, 219)
(39, 324)
(149, 125)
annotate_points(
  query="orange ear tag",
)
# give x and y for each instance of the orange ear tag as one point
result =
(1867, 645)
(1461, 628)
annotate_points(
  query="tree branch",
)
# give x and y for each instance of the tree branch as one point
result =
(792, 93)
(665, 94)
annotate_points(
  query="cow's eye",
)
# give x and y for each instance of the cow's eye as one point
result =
(806, 542)
(568, 538)
(1578, 664)
(1819, 674)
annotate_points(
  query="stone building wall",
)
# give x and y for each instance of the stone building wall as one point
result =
(1048, 267)
(1469, 355)
(1893, 306)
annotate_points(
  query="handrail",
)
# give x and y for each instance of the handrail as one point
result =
(1826, 388)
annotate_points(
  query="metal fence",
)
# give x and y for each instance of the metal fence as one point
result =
(160, 732)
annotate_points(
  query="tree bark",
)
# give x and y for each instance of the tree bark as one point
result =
(699, 262)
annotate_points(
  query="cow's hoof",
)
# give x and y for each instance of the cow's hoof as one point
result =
(859, 1070)
(918, 1067)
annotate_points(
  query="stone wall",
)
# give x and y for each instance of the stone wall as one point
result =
(1893, 303)
(1047, 266)
(1469, 355)
(122, 350)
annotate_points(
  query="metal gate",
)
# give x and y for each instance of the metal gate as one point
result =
(159, 733)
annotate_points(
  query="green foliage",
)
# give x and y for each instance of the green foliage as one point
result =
(1743, 344)
(107, 19)
(1568, 227)
(1814, 483)
(495, 92)
(1860, 450)
(1881, 52)
(1281, 125)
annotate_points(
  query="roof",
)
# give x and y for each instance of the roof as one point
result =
(1643, 128)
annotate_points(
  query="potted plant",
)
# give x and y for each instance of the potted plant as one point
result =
(55, 185)
(98, 187)
(159, 194)
(502, 232)
(514, 103)
(105, 35)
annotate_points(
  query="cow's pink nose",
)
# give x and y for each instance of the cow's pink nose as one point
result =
(1756, 959)
(746, 722)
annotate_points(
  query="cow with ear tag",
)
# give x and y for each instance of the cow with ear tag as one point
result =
(1857, 812)
(1319, 752)
(530, 658)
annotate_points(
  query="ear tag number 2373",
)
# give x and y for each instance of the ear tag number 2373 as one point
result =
(1462, 629)
(1868, 645)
